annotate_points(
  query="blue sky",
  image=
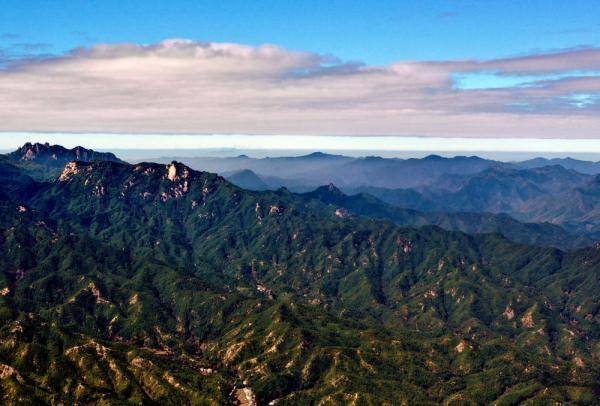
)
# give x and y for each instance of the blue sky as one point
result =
(375, 32)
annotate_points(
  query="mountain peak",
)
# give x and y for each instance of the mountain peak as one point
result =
(57, 155)
(331, 189)
(319, 154)
(247, 179)
(433, 157)
(29, 151)
(141, 182)
(329, 194)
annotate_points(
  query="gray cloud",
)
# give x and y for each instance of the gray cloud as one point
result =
(182, 86)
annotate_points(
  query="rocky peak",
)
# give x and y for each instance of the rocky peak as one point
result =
(177, 171)
(172, 172)
(30, 151)
(145, 180)
(57, 155)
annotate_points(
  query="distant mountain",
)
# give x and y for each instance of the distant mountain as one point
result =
(587, 167)
(547, 178)
(310, 171)
(549, 194)
(45, 161)
(400, 173)
(402, 209)
(283, 167)
(543, 234)
(543, 194)
(246, 179)
(318, 168)
(405, 198)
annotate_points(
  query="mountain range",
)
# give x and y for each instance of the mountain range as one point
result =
(305, 173)
(587, 167)
(364, 204)
(155, 283)
(550, 194)
(527, 193)
(316, 169)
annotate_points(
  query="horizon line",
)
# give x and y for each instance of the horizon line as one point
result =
(307, 142)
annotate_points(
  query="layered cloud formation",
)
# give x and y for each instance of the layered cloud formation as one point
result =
(182, 86)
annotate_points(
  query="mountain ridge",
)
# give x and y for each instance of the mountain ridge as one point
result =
(44, 161)
(364, 204)
(342, 170)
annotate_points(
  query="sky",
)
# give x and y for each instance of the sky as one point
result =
(378, 32)
(459, 69)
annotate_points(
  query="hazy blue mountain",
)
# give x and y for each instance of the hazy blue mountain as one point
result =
(309, 171)
(246, 179)
(285, 167)
(410, 208)
(304, 173)
(405, 198)
(543, 234)
(588, 167)
(549, 194)
(548, 179)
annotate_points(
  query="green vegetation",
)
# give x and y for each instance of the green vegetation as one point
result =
(149, 283)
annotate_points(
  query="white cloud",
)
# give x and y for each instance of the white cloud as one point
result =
(182, 86)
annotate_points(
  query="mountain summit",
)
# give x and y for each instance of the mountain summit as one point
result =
(47, 153)
(45, 161)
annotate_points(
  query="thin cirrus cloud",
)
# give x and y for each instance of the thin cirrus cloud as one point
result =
(183, 86)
